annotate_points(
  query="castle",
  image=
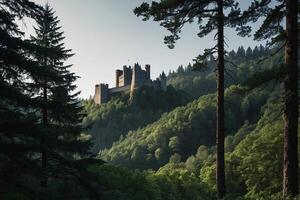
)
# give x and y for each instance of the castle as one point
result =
(128, 80)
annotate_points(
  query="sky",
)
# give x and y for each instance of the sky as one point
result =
(105, 35)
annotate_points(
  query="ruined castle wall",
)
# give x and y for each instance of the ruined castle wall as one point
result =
(121, 81)
(140, 77)
(104, 93)
(127, 72)
(97, 94)
(119, 73)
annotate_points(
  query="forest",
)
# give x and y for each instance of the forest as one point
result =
(227, 126)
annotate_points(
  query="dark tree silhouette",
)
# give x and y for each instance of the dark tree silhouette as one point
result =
(18, 130)
(39, 110)
(61, 110)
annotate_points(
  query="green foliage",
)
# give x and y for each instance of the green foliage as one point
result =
(254, 164)
(178, 134)
(194, 83)
(183, 139)
(168, 183)
(111, 121)
(238, 68)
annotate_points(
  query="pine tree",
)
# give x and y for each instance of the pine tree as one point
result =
(240, 54)
(173, 15)
(261, 50)
(61, 113)
(249, 53)
(18, 129)
(256, 53)
(272, 14)
(232, 55)
(27, 68)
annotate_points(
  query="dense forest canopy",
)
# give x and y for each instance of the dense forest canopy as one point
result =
(159, 145)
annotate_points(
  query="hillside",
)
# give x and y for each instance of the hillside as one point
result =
(115, 119)
(256, 144)
(175, 150)
(110, 121)
(180, 145)
(179, 133)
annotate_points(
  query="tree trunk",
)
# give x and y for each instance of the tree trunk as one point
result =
(290, 166)
(220, 174)
(45, 123)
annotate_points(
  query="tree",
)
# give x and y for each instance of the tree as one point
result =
(290, 167)
(240, 54)
(249, 53)
(18, 129)
(173, 15)
(23, 134)
(261, 50)
(256, 53)
(61, 111)
(273, 13)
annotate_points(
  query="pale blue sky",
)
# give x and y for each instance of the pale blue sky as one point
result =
(105, 35)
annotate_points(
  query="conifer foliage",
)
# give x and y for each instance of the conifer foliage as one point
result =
(18, 130)
(40, 112)
(60, 111)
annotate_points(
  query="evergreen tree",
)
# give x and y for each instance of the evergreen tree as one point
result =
(61, 112)
(273, 13)
(180, 69)
(173, 15)
(189, 67)
(240, 54)
(18, 129)
(256, 53)
(261, 50)
(249, 53)
(231, 55)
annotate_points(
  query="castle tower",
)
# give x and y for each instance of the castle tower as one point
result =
(97, 94)
(101, 94)
(136, 72)
(127, 75)
(135, 76)
(118, 75)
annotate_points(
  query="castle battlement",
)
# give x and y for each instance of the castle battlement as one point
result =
(129, 79)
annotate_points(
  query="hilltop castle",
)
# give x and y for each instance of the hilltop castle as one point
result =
(127, 80)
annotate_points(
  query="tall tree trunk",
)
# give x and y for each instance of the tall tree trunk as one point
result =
(45, 123)
(220, 174)
(290, 166)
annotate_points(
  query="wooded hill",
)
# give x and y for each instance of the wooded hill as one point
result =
(181, 142)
